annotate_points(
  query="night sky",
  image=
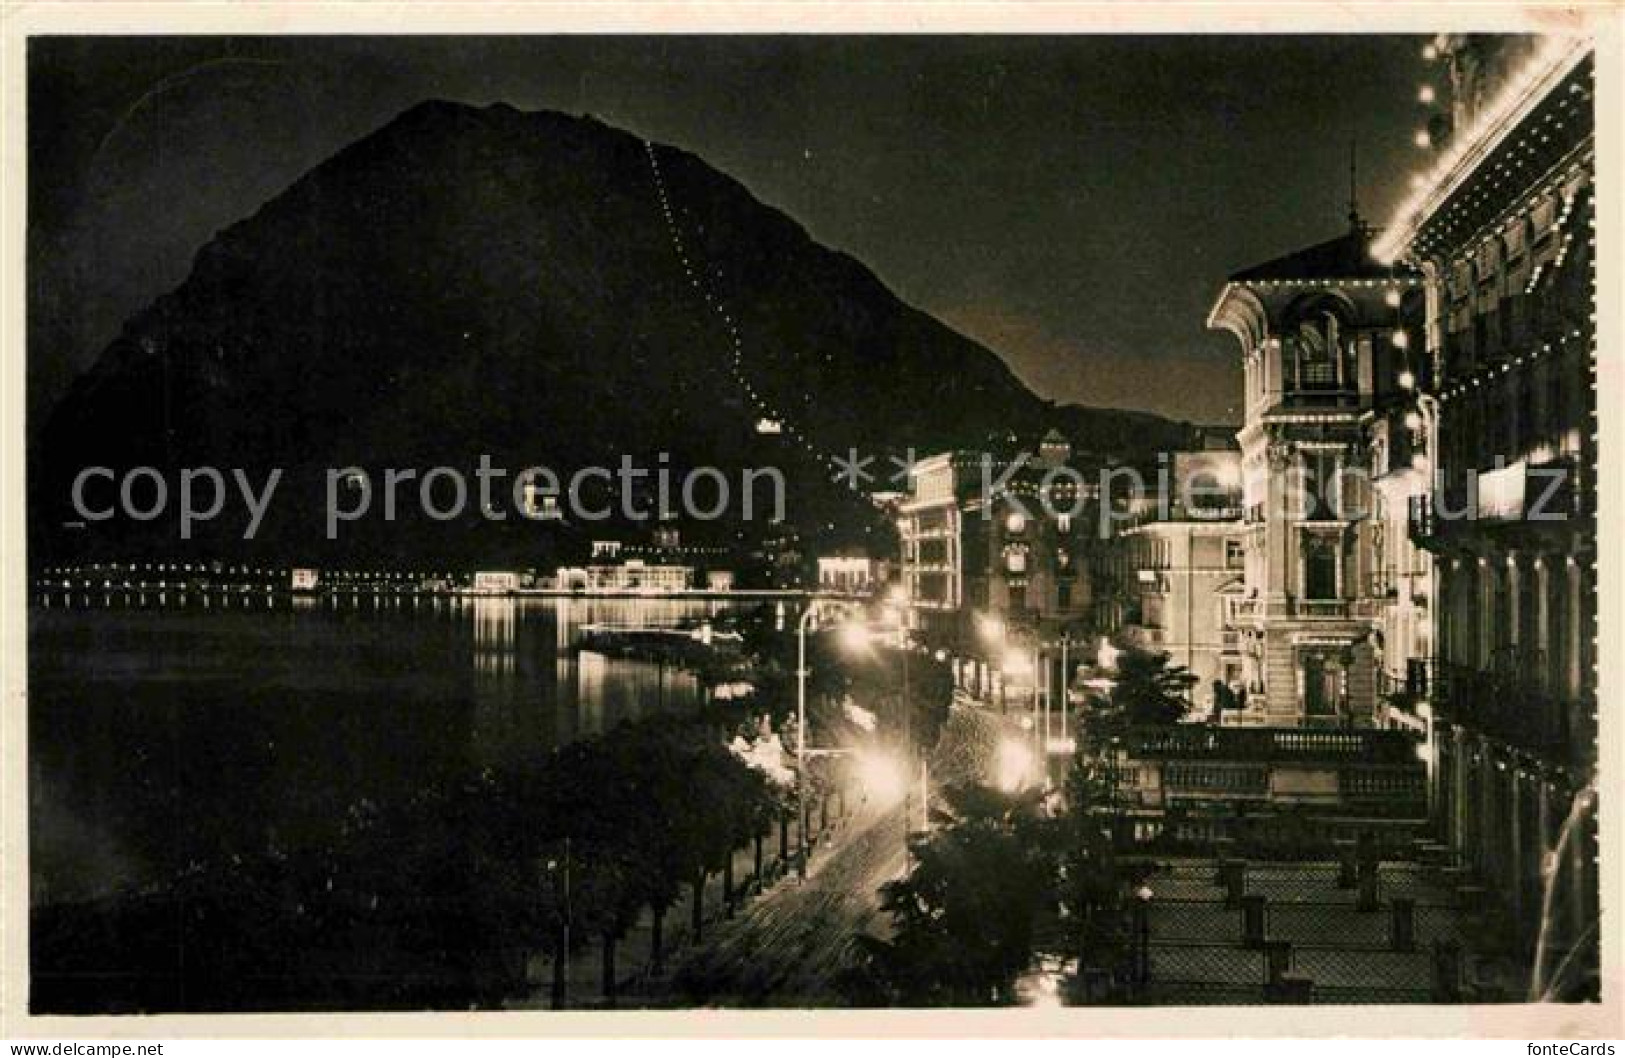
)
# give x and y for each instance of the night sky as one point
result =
(1073, 203)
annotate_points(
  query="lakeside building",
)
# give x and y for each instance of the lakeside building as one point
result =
(495, 582)
(997, 552)
(850, 574)
(633, 575)
(998, 536)
(1504, 414)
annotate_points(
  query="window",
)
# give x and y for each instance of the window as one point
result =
(1319, 568)
(1317, 367)
(1320, 680)
(1015, 560)
(1320, 482)
(1235, 553)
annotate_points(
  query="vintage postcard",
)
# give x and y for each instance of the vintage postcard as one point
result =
(553, 521)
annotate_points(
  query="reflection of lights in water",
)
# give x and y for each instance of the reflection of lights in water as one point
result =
(494, 621)
(591, 672)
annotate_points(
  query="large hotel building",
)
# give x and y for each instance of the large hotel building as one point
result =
(1504, 415)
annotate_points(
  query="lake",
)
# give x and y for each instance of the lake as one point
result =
(165, 730)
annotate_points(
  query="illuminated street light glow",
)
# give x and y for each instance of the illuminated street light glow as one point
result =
(1013, 765)
(854, 637)
(884, 777)
(1407, 380)
(990, 627)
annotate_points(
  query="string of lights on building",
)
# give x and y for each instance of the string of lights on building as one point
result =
(1555, 57)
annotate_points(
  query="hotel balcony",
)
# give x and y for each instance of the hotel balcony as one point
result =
(1512, 502)
(1252, 610)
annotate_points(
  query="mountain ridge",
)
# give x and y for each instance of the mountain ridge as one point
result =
(470, 280)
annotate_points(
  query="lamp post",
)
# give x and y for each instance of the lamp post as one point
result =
(898, 612)
(802, 752)
(1142, 934)
(813, 607)
(908, 727)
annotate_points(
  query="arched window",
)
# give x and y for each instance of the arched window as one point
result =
(1318, 334)
(1317, 362)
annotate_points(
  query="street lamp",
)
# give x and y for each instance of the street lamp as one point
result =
(1142, 930)
(813, 607)
(854, 636)
(1013, 765)
(897, 614)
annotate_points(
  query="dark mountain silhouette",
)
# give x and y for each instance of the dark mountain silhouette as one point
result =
(539, 288)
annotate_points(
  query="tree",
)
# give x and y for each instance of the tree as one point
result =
(1150, 692)
(1090, 884)
(963, 918)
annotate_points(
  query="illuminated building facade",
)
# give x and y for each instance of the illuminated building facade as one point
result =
(849, 574)
(1179, 571)
(1320, 351)
(980, 539)
(1505, 409)
(633, 575)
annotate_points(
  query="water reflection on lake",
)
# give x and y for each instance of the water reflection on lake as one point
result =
(164, 728)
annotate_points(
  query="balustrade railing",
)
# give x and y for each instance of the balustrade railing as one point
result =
(1268, 744)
